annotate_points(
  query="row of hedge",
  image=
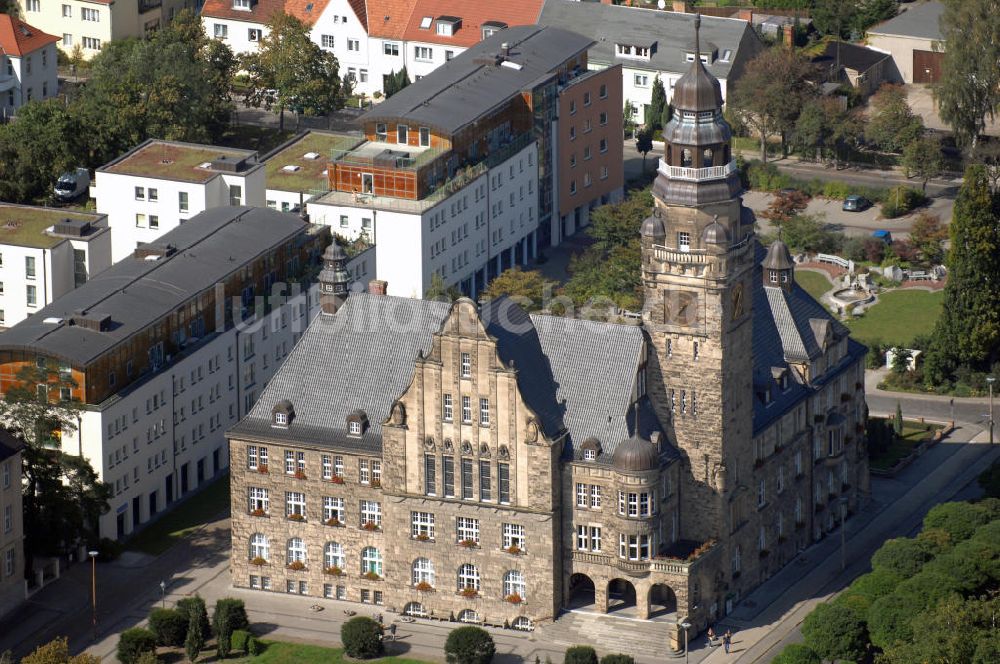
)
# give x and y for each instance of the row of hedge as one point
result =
(187, 626)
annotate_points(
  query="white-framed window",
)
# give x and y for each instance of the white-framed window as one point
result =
(595, 496)
(513, 535)
(371, 512)
(634, 547)
(423, 572)
(484, 412)
(295, 503)
(354, 428)
(684, 241)
(447, 408)
(390, 48)
(333, 555)
(589, 454)
(254, 34)
(333, 508)
(353, 44)
(296, 552)
(641, 80)
(423, 53)
(67, 39)
(92, 15)
(376, 472)
(513, 584)
(91, 43)
(467, 410)
(67, 11)
(326, 463)
(582, 499)
(326, 41)
(241, 4)
(364, 477)
(259, 547)
(33, 5)
(467, 529)
(468, 577)
(583, 538)
(737, 562)
(422, 524)
(219, 30)
(466, 365)
(258, 499)
(371, 560)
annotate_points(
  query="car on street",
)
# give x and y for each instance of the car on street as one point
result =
(855, 203)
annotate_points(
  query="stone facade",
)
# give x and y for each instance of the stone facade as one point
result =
(12, 586)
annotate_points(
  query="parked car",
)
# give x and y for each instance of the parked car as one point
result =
(72, 184)
(855, 203)
(883, 235)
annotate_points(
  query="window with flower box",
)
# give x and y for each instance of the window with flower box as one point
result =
(422, 525)
(467, 529)
(423, 573)
(371, 513)
(338, 466)
(468, 578)
(258, 500)
(295, 504)
(296, 551)
(259, 548)
(333, 556)
(514, 586)
(333, 508)
(513, 536)
(371, 561)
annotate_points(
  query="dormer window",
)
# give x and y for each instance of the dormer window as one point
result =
(354, 428)
(490, 28)
(281, 419)
(448, 25)
(241, 4)
(357, 422)
(282, 414)
(633, 51)
(690, 58)
(591, 449)
(589, 455)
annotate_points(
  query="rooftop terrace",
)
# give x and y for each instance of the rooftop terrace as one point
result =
(187, 162)
(310, 155)
(25, 225)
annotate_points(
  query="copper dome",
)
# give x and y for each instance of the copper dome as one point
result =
(635, 455)
(652, 226)
(778, 257)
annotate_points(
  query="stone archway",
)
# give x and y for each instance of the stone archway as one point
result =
(662, 600)
(621, 595)
(582, 592)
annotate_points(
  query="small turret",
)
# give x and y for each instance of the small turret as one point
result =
(779, 269)
(333, 279)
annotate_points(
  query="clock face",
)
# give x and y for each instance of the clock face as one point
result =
(739, 303)
(680, 307)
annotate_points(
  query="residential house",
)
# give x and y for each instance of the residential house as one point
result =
(914, 40)
(27, 65)
(864, 69)
(159, 185)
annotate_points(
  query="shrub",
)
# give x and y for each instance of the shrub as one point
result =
(133, 643)
(239, 639)
(254, 646)
(147, 658)
(362, 638)
(55, 651)
(469, 645)
(901, 200)
(195, 605)
(195, 639)
(169, 626)
(960, 520)
(796, 653)
(617, 659)
(580, 655)
(230, 615)
(836, 631)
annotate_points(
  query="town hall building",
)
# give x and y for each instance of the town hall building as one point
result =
(478, 463)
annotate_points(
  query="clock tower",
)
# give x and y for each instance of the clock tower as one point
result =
(697, 266)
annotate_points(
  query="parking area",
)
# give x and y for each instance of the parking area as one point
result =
(852, 223)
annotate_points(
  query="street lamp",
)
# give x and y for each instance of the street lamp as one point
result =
(163, 594)
(93, 591)
(989, 381)
(683, 624)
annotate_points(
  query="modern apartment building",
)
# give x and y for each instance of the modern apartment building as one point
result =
(84, 26)
(27, 65)
(159, 185)
(456, 174)
(44, 254)
(169, 347)
(480, 463)
(12, 587)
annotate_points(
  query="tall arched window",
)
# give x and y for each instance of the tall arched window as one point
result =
(296, 551)
(423, 571)
(414, 609)
(259, 547)
(468, 616)
(333, 555)
(468, 577)
(513, 584)
(371, 560)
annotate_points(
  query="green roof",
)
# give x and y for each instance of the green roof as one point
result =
(310, 174)
(25, 225)
(174, 161)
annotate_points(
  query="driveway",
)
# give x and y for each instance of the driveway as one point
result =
(852, 223)
(921, 100)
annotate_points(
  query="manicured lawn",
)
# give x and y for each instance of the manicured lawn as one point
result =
(281, 652)
(183, 520)
(914, 433)
(814, 283)
(898, 317)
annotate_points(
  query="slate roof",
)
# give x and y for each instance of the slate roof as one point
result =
(463, 90)
(919, 21)
(577, 375)
(17, 38)
(851, 56)
(672, 32)
(136, 292)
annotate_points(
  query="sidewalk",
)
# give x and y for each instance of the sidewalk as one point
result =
(786, 602)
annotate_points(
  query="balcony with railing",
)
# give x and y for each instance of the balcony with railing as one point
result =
(682, 557)
(697, 174)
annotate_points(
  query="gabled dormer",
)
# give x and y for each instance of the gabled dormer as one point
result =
(447, 26)
(243, 5)
(635, 51)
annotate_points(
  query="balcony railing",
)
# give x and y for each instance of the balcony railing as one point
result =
(697, 174)
(698, 256)
(637, 567)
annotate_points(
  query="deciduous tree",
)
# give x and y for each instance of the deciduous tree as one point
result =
(893, 125)
(289, 70)
(45, 141)
(922, 159)
(57, 652)
(836, 632)
(927, 235)
(526, 287)
(644, 144)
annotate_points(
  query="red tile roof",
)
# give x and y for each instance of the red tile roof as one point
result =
(17, 38)
(261, 11)
(388, 18)
(473, 14)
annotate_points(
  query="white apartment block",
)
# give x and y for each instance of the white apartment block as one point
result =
(171, 346)
(159, 185)
(87, 25)
(44, 254)
(27, 65)
(478, 228)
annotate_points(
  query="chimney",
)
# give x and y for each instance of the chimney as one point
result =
(505, 49)
(378, 287)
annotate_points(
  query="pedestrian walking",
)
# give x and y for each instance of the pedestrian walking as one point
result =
(727, 640)
(392, 632)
